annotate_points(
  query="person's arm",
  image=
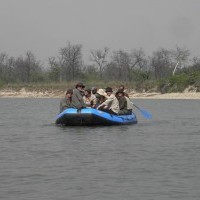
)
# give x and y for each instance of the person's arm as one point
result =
(129, 103)
(106, 103)
(64, 103)
(93, 101)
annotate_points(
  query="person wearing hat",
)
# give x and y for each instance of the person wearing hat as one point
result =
(89, 98)
(77, 97)
(100, 97)
(122, 87)
(111, 104)
(67, 100)
(123, 100)
(101, 92)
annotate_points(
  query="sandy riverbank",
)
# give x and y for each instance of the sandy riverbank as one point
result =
(59, 94)
(188, 95)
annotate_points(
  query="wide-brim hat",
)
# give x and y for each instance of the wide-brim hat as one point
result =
(80, 85)
(108, 89)
(101, 92)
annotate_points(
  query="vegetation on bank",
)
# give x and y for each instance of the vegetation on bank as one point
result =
(164, 71)
(176, 83)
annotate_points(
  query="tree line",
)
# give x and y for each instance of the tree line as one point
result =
(132, 66)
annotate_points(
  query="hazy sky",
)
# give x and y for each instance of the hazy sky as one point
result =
(44, 26)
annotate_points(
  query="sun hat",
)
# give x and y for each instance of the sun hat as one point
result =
(101, 92)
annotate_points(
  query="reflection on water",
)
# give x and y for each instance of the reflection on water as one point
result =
(157, 159)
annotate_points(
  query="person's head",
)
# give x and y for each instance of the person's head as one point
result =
(119, 93)
(122, 87)
(87, 92)
(94, 90)
(80, 86)
(108, 91)
(69, 93)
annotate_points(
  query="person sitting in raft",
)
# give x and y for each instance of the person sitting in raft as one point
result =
(111, 104)
(66, 101)
(123, 101)
(122, 87)
(89, 99)
(94, 90)
(77, 97)
(100, 97)
(129, 105)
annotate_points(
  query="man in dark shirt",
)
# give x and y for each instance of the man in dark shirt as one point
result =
(123, 108)
(122, 87)
(77, 97)
(66, 102)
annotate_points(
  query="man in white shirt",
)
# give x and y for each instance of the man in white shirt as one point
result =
(111, 104)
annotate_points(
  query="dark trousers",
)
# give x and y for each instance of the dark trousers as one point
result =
(125, 112)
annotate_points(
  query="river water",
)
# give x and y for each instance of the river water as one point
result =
(156, 159)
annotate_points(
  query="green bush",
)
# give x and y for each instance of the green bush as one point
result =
(163, 85)
(179, 82)
(1, 83)
(140, 82)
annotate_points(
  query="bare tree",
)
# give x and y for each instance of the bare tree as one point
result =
(27, 69)
(181, 56)
(99, 56)
(112, 72)
(195, 64)
(55, 70)
(70, 61)
(3, 57)
(138, 59)
(29, 64)
(6, 68)
(161, 63)
(123, 61)
(10, 70)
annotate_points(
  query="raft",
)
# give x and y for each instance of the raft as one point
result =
(92, 117)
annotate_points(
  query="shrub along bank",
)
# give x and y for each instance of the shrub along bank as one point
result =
(176, 83)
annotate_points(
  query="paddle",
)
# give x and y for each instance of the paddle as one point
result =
(144, 113)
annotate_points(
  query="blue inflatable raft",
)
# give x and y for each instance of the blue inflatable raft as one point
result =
(92, 117)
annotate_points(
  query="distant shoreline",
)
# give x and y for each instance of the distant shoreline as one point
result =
(9, 93)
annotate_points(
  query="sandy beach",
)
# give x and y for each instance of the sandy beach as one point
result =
(188, 95)
(9, 93)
